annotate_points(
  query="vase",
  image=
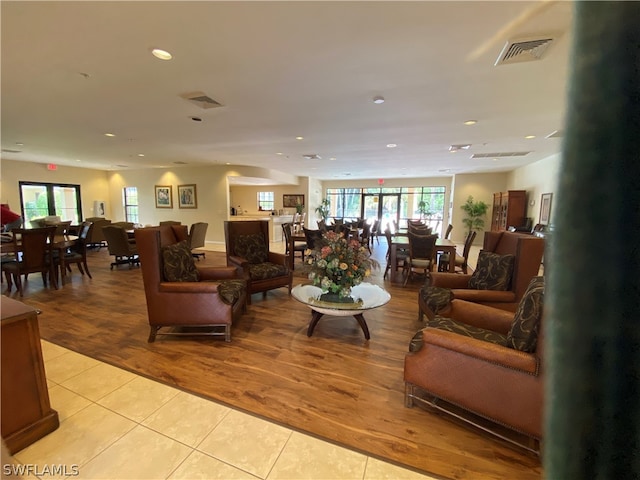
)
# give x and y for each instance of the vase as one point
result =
(331, 297)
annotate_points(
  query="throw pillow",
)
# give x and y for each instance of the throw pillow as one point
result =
(493, 272)
(436, 298)
(178, 263)
(252, 247)
(526, 322)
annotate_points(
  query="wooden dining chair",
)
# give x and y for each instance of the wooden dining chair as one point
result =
(77, 253)
(422, 252)
(401, 254)
(34, 254)
(297, 247)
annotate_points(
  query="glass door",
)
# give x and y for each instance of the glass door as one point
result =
(388, 210)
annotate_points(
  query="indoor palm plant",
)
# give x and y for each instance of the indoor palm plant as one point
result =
(475, 211)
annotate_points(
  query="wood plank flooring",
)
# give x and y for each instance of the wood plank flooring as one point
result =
(335, 384)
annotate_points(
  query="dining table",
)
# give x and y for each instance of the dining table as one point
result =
(60, 243)
(401, 241)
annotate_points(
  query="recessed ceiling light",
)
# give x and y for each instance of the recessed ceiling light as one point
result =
(470, 122)
(332, 158)
(299, 138)
(110, 135)
(141, 154)
(278, 153)
(196, 119)
(161, 54)
(20, 144)
(378, 100)
(391, 145)
(529, 137)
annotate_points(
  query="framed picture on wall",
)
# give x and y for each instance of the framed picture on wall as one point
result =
(187, 196)
(290, 201)
(545, 208)
(164, 196)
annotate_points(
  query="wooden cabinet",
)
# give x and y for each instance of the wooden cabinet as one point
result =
(509, 210)
(26, 412)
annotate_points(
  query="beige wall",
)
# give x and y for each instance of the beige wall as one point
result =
(93, 182)
(216, 196)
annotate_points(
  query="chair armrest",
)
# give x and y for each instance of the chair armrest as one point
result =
(480, 350)
(217, 273)
(473, 295)
(450, 280)
(239, 261)
(279, 258)
(479, 315)
(188, 287)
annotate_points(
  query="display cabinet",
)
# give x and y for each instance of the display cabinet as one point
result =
(509, 210)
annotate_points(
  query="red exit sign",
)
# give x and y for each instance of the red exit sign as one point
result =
(52, 166)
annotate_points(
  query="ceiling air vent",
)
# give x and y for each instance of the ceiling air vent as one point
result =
(499, 154)
(199, 99)
(524, 49)
(556, 134)
(8, 150)
(312, 156)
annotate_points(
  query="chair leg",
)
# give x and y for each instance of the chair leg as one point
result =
(227, 333)
(408, 395)
(18, 280)
(86, 268)
(152, 333)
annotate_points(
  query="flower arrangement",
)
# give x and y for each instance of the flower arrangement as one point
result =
(337, 264)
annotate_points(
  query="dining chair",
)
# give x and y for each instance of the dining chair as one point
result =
(77, 253)
(197, 236)
(124, 251)
(422, 251)
(34, 249)
(297, 247)
(312, 237)
(375, 231)
(401, 254)
(447, 234)
(460, 260)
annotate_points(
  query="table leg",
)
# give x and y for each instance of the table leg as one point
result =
(315, 317)
(452, 260)
(363, 324)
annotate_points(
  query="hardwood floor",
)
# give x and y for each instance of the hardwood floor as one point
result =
(335, 384)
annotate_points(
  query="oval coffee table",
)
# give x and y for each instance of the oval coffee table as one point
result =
(366, 295)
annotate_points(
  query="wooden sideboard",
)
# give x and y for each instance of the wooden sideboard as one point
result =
(26, 412)
(509, 210)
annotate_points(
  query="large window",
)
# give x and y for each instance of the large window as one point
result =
(131, 204)
(266, 201)
(38, 200)
(397, 204)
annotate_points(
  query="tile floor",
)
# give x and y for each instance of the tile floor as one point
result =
(117, 425)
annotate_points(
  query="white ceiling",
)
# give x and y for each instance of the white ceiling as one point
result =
(73, 71)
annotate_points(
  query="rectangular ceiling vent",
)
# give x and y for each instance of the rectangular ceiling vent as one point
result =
(201, 100)
(312, 156)
(556, 134)
(499, 154)
(8, 150)
(524, 49)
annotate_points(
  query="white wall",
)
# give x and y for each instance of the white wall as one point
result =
(213, 190)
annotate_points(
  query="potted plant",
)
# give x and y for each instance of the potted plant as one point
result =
(423, 209)
(475, 211)
(323, 209)
(299, 208)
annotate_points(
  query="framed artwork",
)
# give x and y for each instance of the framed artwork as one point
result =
(164, 196)
(545, 208)
(292, 200)
(187, 196)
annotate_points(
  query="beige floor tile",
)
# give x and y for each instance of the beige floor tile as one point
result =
(66, 402)
(379, 470)
(187, 418)
(199, 466)
(78, 439)
(98, 381)
(140, 454)
(246, 442)
(51, 350)
(310, 458)
(67, 365)
(139, 398)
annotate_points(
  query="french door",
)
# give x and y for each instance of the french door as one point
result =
(38, 200)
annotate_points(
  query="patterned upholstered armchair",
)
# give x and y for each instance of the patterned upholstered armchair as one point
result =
(179, 294)
(247, 246)
(505, 266)
(484, 360)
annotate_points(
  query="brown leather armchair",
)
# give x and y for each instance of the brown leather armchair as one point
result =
(215, 300)
(247, 246)
(528, 251)
(476, 367)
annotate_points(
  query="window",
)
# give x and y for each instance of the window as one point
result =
(39, 200)
(131, 204)
(266, 201)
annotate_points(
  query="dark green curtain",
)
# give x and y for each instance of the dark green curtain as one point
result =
(593, 386)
